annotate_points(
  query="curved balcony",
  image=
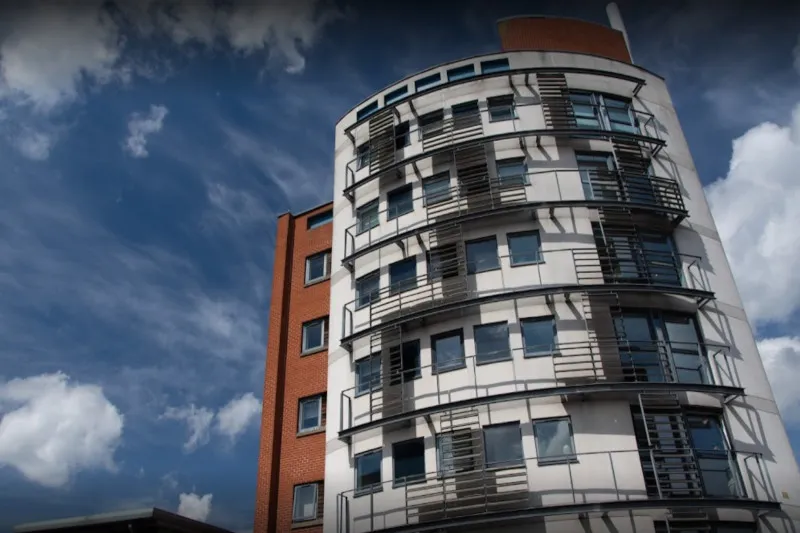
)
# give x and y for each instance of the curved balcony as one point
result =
(558, 271)
(608, 367)
(592, 483)
(536, 190)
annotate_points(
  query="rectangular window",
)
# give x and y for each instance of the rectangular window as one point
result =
(320, 219)
(305, 502)
(431, 124)
(399, 201)
(512, 171)
(362, 156)
(318, 266)
(501, 108)
(367, 216)
(311, 414)
(448, 351)
(403, 275)
(598, 176)
(524, 248)
(586, 111)
(466, 115)
(368, 289)
(454, 451)
(404, 362)
(409, 461)
(554, 441)
(367, 110)
(395, 95)
(427, 81)
(315, 334)
(494, 65)
(459, 73)
(491, 342)
(443, 262)
(482, 255)
(503, 445)
(620, 115)
(539, 335)
(368, 472)
(436, 189)
(368, 374)
(402, 137)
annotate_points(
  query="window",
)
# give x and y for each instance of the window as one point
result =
(482, 255)
(368, 289)
(491, 342)
(448, 351)
(367, 110)
(368, 374)
(315, 335)
(305, 502)
(320, 219)
(311, 414)
(395, 95)
(427, 81)
(586, 111)
(431, 124)
(399, 202)
(598, 111)
(538, 335)
(620, 115)
(512, 171)
(719, 474)
(444, 454)
(368, 472)
(362, 156)
(403, 275)
(404, 362)
(503, 445)
(501, 108)
(466, 115)
(524, 248)
(402, 137)
(436, 189)
(459, 73)
(494, 65)
(367, 216)
(409, 461)
(318, 266)
(443, 262)
(454, 451)
(598, 178)
(554, 441)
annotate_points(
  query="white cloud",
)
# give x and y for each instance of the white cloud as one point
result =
(781, 356)
(194, 506)
(142, 125)
(234, 418)
(34, 144)
(757, 212)
(51, 428)
(198, 421)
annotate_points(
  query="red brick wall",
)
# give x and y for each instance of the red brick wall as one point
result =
(562, 35)
(286, 460)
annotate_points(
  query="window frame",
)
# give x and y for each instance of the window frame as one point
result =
(313, 221)
(367, 110)
(462, 362)
(402, 131)
(375, 296)
(395, 95)
(375, 487)
(295, 518)
(561, 459)
(417, 478)
(372, 204)
(514, 463)
(373, 384)
(506, 355)
(407, 189)
(363, 156)
(432, 118)
(490, 65)
(324, 345)
(511, 181)
(519, 234)
(493, 104)
(427, 81)
(472, 269)
(461, 72)
(319, 398)
(440, 177)
(407, 374)
(326, 267)
(534, 319)
(405, 285)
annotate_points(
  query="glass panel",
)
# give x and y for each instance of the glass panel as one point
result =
(403, 275)
(402, 137)
(460, 73)
(585, 111)
(687, 353)
(409, 460)
(597, 176)
(503, 445)
(367, 216)
(305, 502)
(368, 290)
(494, 65)
(405, 362)
(368, 374)
(395, 95)
(363, 155)
(309, 414)
(313, 334)
(539, 335)
(316, 267)
(431, 123)
(482, 256)
(640, 356)
(448, 351)
(491, 342)
(427, 81)
(524, 248)
(554, 440)
(620, 115)
(501, 107)
(639, 190)
(661, 261)
(368, 470)
(444, 453)
(399, 202)
(320, 219)
(512, 171)
(443, 262)
(436, 189)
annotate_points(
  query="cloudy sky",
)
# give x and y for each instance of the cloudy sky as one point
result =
(148, 147)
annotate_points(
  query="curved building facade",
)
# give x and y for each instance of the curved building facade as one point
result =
(533, 324)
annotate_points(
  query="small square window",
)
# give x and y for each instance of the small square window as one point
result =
(306, 499)
(427, 81)
(539, 336)
(491, 342)
(318, 267)
(436, 189)
(494, 65)
(320, 219)
(311, 414)
(399, 202)
(368, 472)
(402, 135)
(482, 255)
(431, 124)
(403, 275)
(554, 440)
(512, 171)
(409, 461)
(459, 73)
(362, 156)
(503, 445)
(367, 216)
(368, 289)
(448, 351)
(501, 108)
(404, 362)
(315, 335)
(524, 248)
(368, 374)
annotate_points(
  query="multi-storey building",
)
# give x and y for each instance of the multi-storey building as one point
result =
(532, 320)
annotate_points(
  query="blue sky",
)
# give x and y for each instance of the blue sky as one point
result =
(148, 148)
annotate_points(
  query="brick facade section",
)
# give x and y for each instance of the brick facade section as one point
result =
(286, 460)
(562, 35)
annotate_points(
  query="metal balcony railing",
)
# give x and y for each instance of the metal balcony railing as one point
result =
(557, 270)
(530, 487)
(606, 365)
(539, 188)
